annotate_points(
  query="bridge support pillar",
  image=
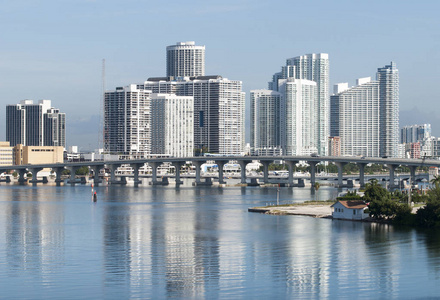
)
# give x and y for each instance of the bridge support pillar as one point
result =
(96, 170)
(291, 164)
(72, 170)
(113, 168)
(392, 168)
(154, 166)
(340, 166)
(362, 174)
(177, 165)
(220, 165)
(243, 164)
(22, 176)
(265, 171)
(412, 177)
(197, 164)
(34, 172)
(312, 172)
(58, 173)
(136, 180)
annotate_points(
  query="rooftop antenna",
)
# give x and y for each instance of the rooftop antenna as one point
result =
(101, 109)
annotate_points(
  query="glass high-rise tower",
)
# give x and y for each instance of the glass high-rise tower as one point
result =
(32, 124)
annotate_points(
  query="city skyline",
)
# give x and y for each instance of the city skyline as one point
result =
(61, 46)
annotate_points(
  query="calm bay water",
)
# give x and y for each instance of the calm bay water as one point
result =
(163, 242)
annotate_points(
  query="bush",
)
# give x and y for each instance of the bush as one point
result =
(404, 215)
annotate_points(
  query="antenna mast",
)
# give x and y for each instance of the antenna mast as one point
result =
(101, 110)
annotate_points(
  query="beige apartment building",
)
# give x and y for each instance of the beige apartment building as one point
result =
(25, 155)
(6, 154)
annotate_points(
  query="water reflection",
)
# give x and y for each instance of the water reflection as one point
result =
(163, 242)
(34, 239)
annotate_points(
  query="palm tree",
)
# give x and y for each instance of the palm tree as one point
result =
(316, 186)
(436, 180)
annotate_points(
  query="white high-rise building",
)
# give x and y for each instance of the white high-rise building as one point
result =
(127, 121)
(219, 110)
(300, 116)
(312, 67)
(363, 116)
(388, 78)
(355, 118)
(185, 59)
(172, 125)
(266, 122)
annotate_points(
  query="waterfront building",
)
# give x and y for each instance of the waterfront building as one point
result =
(26, 155)
(185, 59)
(172, 125)
(266, 122)
(35, 124)
(415, 133)
(360, 115)
(300, 119)
(219, 109)
(6, 154)
(312, 67)
(388, 78)
(127, 121)
(349, 210)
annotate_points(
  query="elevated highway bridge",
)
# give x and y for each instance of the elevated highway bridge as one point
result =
(390, 163)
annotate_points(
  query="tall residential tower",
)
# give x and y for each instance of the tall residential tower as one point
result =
(314, 129)
(366, 117)
(32, 124)
(185, 59)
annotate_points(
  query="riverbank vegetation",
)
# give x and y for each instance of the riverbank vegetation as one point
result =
(394, 207)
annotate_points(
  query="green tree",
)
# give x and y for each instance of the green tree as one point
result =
(316, 186)
(404, 215)
(84, 170)
(436, 180)
(429, 215)
(380, 203)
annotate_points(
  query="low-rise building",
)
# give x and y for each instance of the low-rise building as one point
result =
(25, 155)
(349, 210)
(6, 154)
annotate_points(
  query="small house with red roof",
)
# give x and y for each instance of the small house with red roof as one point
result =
(349, 210)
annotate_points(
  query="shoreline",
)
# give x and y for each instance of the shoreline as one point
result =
(311, 210)
(322, 211)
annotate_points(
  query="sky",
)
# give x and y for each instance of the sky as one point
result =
(55, 49)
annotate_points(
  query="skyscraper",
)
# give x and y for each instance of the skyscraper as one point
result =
(415, 133)
(388, 78)
(312, 67)
(300, 120)
(354, 118)
(366, 117)
(266, 122)
(172, 125)
(32, 124)
(127, 121)
(219, 105)
(185, 59)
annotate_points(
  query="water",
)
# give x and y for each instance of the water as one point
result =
(163, 242)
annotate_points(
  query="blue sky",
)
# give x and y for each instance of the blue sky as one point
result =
(54, 49)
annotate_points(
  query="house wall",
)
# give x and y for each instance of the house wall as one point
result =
(341, 212)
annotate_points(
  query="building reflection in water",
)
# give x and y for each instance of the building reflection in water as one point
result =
(33, 232)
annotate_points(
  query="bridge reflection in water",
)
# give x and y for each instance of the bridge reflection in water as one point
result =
(177, 162)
